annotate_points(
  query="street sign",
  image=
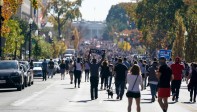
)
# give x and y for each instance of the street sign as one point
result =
(165, 53)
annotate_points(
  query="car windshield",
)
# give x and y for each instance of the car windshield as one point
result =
(37, 64)
(8, 65)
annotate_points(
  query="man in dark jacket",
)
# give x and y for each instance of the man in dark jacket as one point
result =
(120, 78)
(94, 76)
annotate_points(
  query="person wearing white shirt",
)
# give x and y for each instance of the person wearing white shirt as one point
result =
(134, 79)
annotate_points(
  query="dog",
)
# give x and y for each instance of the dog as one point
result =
(110, 93)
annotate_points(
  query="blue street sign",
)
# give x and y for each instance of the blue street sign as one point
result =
(165, 53)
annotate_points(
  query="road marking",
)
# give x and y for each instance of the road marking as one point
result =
(22, 101)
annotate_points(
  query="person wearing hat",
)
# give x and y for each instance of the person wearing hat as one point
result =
(177, 71)
(164, 76)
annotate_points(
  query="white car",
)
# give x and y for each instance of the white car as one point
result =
(37, 69)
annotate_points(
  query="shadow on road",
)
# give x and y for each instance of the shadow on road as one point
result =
(69, 88)
(111, 100)
(188, 102)
(172, 102)
(145, 102)
(7, 90)
(81, 101)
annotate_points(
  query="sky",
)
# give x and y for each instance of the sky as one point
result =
(97, 10)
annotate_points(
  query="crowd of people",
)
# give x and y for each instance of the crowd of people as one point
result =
(164, 78)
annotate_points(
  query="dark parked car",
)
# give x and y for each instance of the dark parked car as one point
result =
(11, 75)
(29, 77)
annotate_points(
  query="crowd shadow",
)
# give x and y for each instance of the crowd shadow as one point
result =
(70, 88)
(188, 102)
(81, 101)
(171, 103)
(111, 100)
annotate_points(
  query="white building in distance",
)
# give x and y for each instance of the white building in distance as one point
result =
(90, 29)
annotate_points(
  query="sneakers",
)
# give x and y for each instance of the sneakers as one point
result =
(153, 99)
(177, 100)
(117, 97)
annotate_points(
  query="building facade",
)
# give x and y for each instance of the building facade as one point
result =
(91, 29)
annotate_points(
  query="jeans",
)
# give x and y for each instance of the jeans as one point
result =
(175, 87)
(153, 88)
(105, 81)
(193, 92)
(77, 77)
(109, 81)
(94, 87)
(50, 73)
(87, 72)
(120, 85)
(44, 75)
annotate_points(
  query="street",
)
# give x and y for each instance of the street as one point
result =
(55, 95)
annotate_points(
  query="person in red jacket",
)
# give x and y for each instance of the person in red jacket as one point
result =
(177, 69)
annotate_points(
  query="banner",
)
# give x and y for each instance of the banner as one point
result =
(97, 51)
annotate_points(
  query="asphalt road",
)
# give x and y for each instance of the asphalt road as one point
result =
(55, 95)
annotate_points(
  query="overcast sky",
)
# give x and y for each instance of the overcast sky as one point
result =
(97, 10)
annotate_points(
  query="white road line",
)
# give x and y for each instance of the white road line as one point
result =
(22, 101)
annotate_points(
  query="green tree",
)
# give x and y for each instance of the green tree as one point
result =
(12, 37)
(190, 20)
(62, 11)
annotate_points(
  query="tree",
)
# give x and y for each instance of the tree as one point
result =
(76, 38)
(9, 8)
(62, 11)
(179, 43)
(190, 20)
(12, 37)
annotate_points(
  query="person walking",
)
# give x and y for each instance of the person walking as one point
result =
(50, 68)
(67, 65)
(152, 80)
(164, 76)
(77, 72)
(87, 71)
(104, 74)
(177, 70)
(71, 71)
(111, 67)
(192, 86)
(120, 78)
(134, 79)
(94, 76)
(62, 69)
(44, 70)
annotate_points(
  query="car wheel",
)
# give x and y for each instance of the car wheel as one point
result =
(29, 83)
(23, 85)
(19, 88)
(25, 82)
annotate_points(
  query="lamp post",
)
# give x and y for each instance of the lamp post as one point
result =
(16, 41)
(1, 19)
(30, 29)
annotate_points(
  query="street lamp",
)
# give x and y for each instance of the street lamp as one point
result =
(1, 19)
(16, 41)
(30, 29)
